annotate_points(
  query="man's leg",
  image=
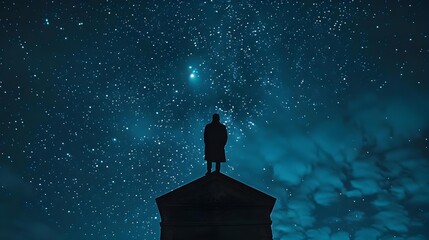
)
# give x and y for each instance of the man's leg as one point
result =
(209, 167)
(218, 167)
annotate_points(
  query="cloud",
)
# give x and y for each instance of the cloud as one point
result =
(366, 169)
(393, 217)
(294, 235)
(367, 234)
(18, 222)
(292, 171)
(325, 198)
(299, 211)
(340, 236)
(383, 200)
(337, 140)
(419, 237)
(366, 186)
(28, 230)
(362, 167)
(327, 176)
(13, 183)
(353, 193)
(319, 234)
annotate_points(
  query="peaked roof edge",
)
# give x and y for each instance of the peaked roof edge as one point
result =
(204, 179)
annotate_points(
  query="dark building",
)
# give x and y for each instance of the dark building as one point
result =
(215, 207)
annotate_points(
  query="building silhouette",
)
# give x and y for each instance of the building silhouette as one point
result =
(215, 207)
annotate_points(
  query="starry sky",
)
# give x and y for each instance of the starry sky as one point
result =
(103, 105)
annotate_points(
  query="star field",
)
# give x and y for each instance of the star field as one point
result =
(103, 106)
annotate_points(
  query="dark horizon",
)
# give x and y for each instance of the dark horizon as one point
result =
(103, 107)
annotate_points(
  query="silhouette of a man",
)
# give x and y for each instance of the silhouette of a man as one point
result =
(215, 137)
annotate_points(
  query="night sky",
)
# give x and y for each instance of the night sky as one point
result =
(103, 106)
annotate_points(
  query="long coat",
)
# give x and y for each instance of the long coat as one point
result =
(215, 137)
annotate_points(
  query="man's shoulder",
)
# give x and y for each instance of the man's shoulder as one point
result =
(215, 125)
(208, 125)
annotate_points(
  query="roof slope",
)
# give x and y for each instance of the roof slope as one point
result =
(215, 189)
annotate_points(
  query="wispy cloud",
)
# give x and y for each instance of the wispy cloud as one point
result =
(19, 222)
(364, 172)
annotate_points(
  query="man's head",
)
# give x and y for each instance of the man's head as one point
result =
(216, 117)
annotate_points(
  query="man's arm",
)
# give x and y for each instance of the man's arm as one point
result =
(205, 135)
(225, 136)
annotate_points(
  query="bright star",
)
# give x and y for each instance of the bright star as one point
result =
(192, 75)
